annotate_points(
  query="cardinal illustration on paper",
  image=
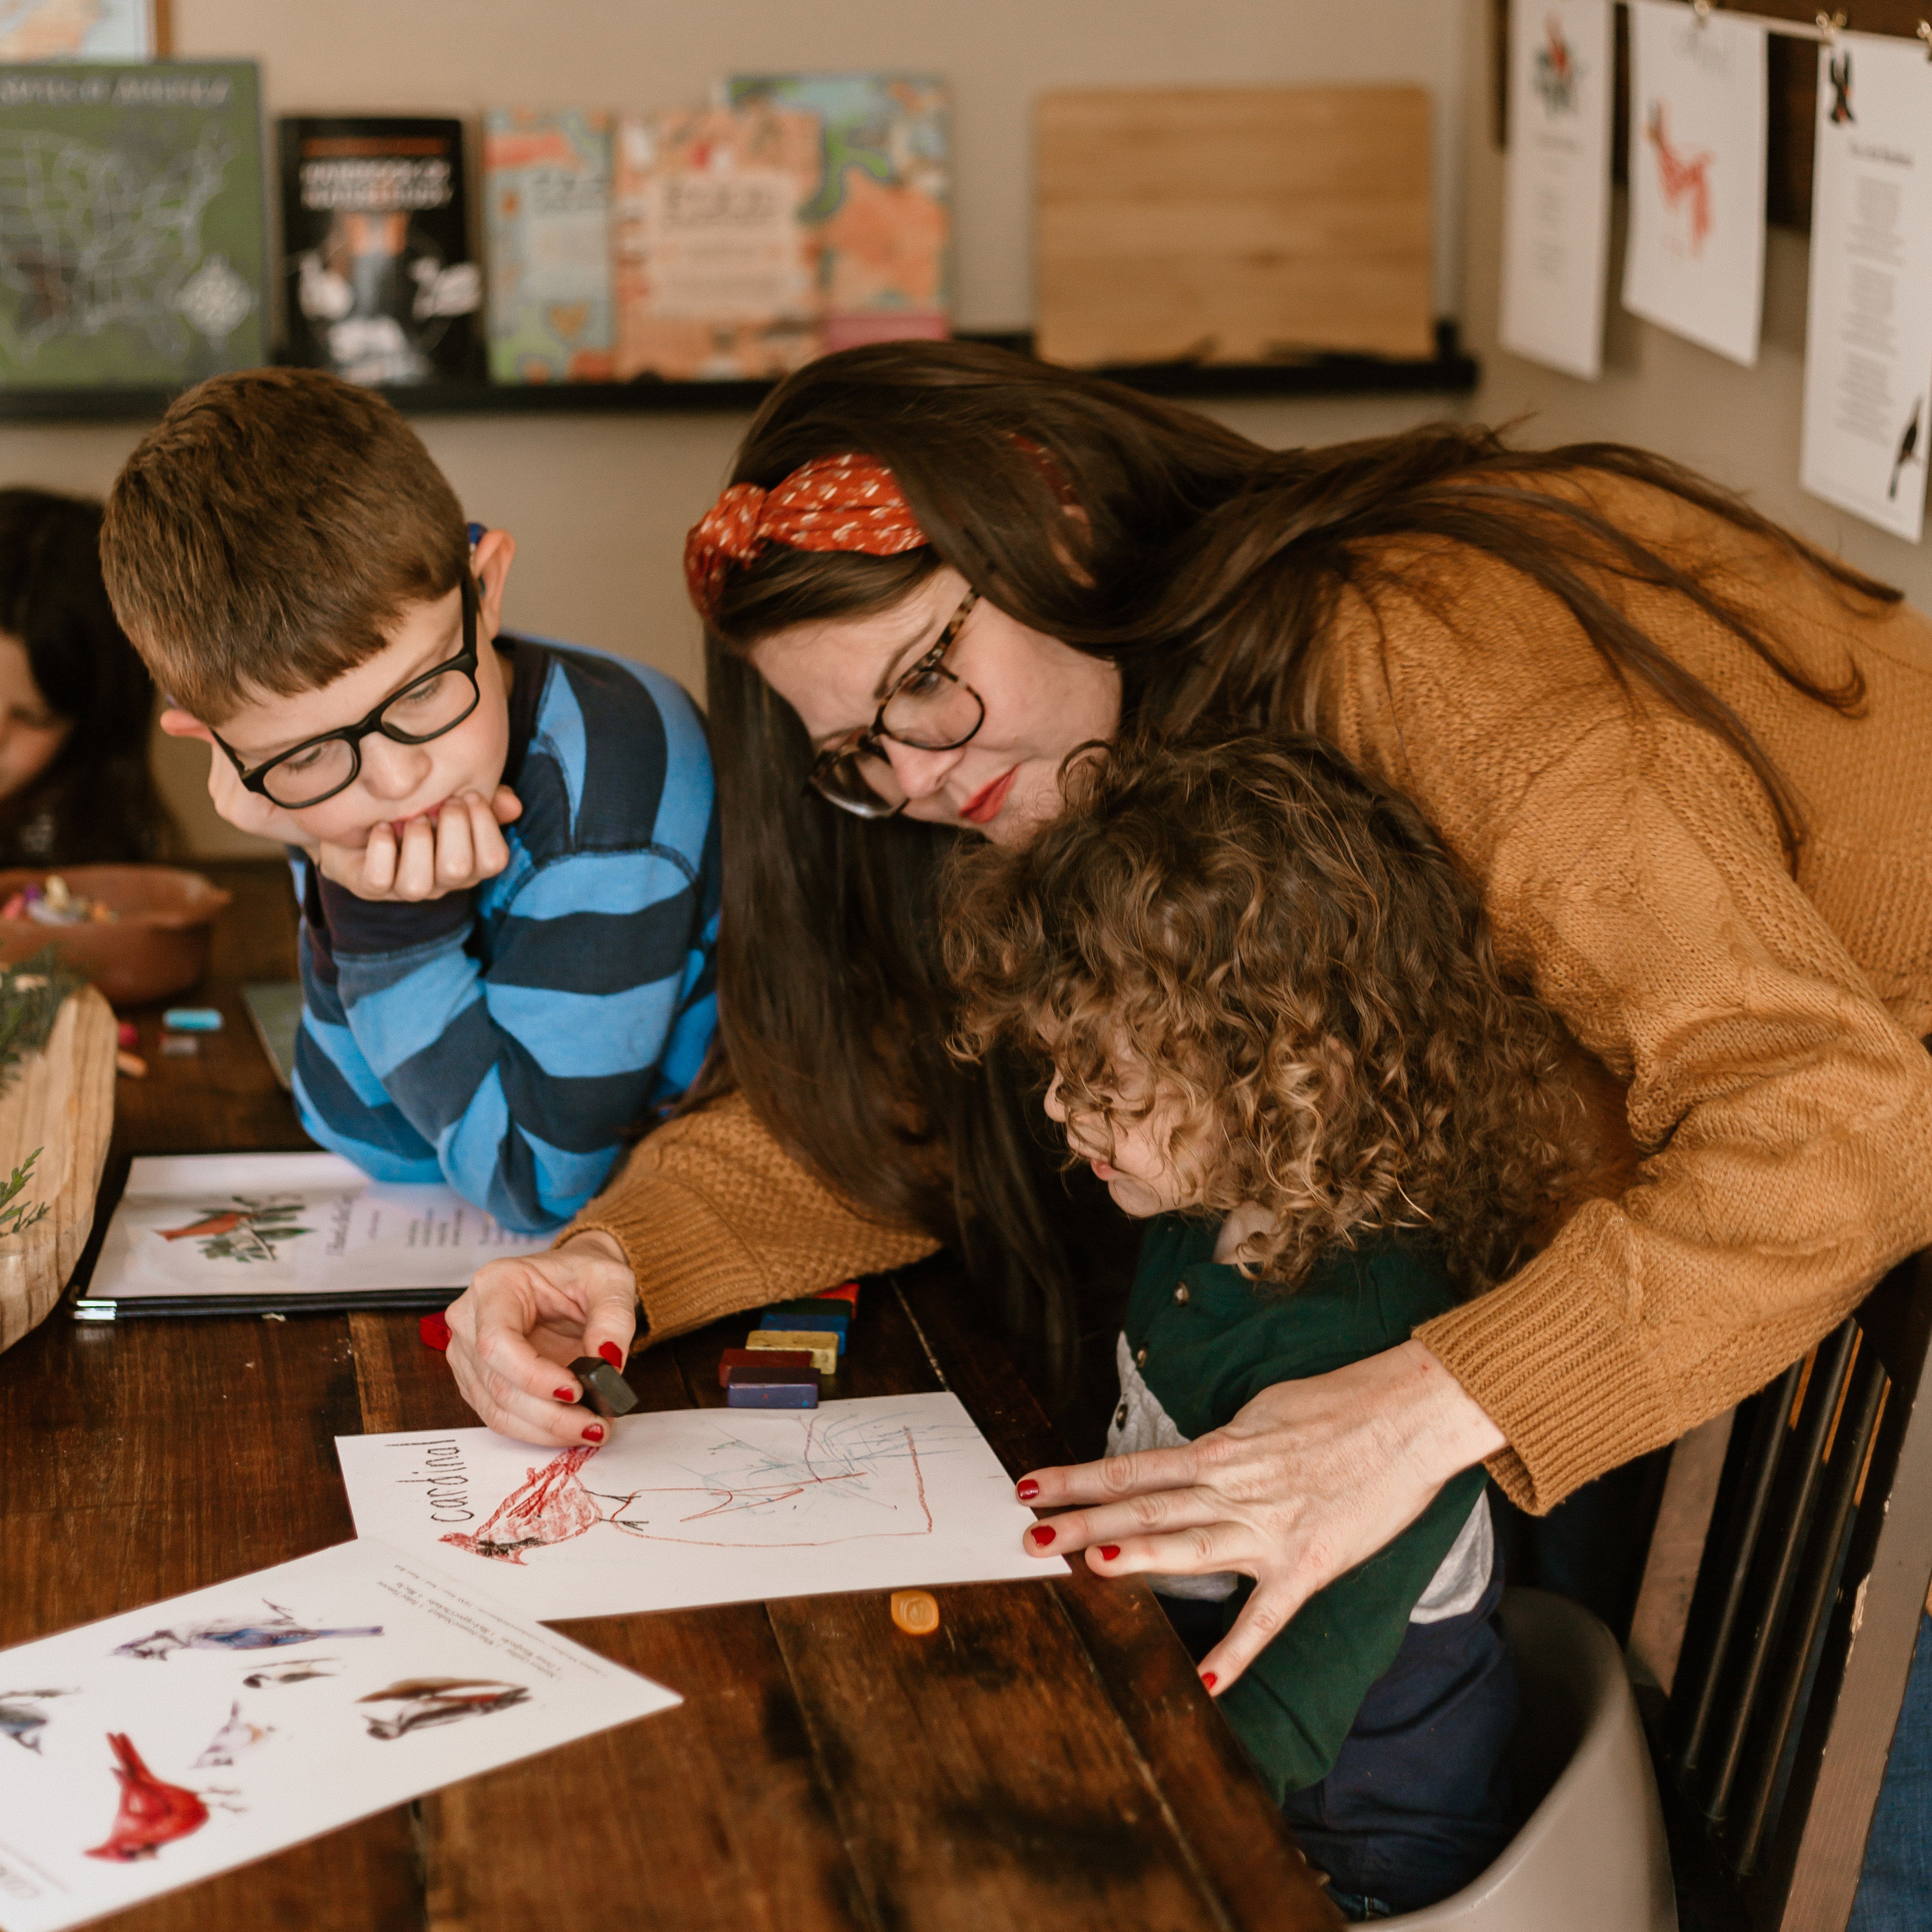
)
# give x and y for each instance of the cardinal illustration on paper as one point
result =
(1683, 179)
(152, 1813)
(242, 1230)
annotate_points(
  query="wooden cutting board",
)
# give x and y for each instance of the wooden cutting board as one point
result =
(63, 1103)
(1232, 224)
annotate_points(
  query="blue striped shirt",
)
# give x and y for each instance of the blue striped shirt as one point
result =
(506, 1039)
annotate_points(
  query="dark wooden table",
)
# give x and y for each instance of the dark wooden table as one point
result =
(1048, 1760)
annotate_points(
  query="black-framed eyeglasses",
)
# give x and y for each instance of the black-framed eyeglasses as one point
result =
(928, 708)
(425, 708)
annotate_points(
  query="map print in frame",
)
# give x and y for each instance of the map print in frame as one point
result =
(131, 249)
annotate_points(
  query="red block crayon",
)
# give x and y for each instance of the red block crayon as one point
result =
(792, 1359)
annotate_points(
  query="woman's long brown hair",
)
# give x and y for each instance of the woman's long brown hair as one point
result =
(1207, 567)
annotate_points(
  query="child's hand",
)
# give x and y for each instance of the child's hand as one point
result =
(247, 811)
(462, 847)
(517, 1325)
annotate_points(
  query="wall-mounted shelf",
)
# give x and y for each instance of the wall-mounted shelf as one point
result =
(1449, 372)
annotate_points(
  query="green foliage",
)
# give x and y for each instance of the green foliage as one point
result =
(17, 1217)
(32, 995)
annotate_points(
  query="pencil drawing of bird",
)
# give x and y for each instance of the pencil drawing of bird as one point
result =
(551, 1505)
(152, 1813)
(292, 1670)
(238, 1734)
(21, 1718)
(235, 1634)
(425, 1701)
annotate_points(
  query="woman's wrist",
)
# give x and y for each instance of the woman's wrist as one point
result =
(595, 1241)
(1449, 1430)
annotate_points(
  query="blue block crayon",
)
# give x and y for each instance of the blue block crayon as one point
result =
(192, 1019)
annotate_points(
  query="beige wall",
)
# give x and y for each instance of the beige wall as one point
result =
(1739, 425)
(600, 507)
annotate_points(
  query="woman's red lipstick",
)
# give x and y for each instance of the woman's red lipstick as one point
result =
(984, 805)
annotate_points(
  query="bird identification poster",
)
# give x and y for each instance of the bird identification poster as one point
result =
(141, 1753)
(1556, 217)
(247, 1232)
(1694, 263)
(1868, 345)
(692, 1506)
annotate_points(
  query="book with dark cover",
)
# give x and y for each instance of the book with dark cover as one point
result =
(383, 286)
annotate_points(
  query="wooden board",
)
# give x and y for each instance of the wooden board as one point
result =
(1232, 224)
(62, 1103)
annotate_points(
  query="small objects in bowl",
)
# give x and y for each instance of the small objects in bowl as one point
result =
(56, 904)
(153, 945)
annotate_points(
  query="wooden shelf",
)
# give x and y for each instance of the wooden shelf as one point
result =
(1449, 372)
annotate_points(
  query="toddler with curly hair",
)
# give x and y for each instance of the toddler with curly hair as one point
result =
(1277, 1029)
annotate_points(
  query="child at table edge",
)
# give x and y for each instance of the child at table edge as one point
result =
(509, 916)
(1278, 1030)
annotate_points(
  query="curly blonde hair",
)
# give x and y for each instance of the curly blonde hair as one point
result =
(1292, 955)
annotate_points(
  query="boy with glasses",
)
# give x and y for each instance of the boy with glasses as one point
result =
(506, 850)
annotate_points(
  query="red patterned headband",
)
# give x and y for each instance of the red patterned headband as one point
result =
(834, 502)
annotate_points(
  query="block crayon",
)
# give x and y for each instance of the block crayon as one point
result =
(915, 1611)
(193, 1019)
(832, 1315)
(750, 1358)
(804, 1324)
(821, 1344)
(846, 1291)
(772, 1395)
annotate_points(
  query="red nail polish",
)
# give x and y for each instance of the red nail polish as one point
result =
(1028, 1490)
(1208, 1680)
(594, 1433)
(612, 1354)
(1041, 1533)
(565, 1395)
(1109, 1551)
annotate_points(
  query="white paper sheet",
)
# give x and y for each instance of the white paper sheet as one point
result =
(253, 1224)
(1694, 263)
(1556, 206)
(155, 1748)
(702, 1506)
(1868, 343)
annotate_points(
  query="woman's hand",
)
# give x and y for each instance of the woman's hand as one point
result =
(517, 1325)
(461, 848)
(1310, 1479)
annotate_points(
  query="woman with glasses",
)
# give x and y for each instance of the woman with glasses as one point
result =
(1681, 752)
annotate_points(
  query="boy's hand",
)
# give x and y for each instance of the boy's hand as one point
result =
(247, 811)
(463, 846)
(517, 1325)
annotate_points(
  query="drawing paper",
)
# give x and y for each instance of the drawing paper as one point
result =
(143, 1753)
(694, 1506)
(209, 1227)
(1694, 262)
(1868, 345)
(1556, 219)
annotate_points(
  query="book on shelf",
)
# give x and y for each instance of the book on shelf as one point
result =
(547, 188)
(131, 247)
(382, 287)
(879, 223)
(715, 271)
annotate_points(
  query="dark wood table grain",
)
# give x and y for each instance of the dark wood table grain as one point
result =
(1048, 1760)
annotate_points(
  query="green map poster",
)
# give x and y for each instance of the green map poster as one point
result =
(131, 247)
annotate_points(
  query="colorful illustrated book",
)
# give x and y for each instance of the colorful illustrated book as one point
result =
(715, 272)
(382, 286)
(161, 1746)
(546, 187)
(219, 1233)
(690, 1506)
(131, 249)
(880, 220)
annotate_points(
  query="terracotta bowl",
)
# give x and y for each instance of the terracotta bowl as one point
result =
(158, 946)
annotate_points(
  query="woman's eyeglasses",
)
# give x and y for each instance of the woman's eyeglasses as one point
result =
(929, 709)
(425, 708)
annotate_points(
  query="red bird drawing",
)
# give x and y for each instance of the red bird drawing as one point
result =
(152, 1814)
(549, 1506)
(225, 1222)
(1681, 177)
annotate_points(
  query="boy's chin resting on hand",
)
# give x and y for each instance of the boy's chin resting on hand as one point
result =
(428, 856)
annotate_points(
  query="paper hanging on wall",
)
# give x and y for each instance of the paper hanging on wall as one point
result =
(160, 1746)
(1557, 192)
(1868, 342)
(693, 1506)
(1694, 263)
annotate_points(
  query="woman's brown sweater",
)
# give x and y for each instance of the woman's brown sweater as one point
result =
(1761, 1032)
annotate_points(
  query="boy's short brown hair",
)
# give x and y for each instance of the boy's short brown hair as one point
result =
(266, 533)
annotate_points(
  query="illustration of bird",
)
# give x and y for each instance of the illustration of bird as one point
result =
(21, 1718)
(549, 1506)
(1908, 452)
(151, 1814)
(293, 1670)
(225, 1223)
(1839, 70)
(1681, 176)
(235, 1634)
(238, 1734)
(439, 1700)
